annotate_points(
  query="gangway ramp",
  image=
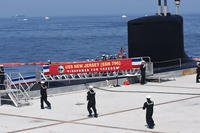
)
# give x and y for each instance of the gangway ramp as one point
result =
(103, 69)
(17, 92)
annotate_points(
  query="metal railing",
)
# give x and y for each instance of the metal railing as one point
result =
(17, 92)
(96, 75)
(177, 63)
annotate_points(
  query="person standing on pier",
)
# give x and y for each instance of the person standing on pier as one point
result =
(143, 72)
(43, 98)
(2, 77)
(91, 102)
(198, 72)
(148, 105)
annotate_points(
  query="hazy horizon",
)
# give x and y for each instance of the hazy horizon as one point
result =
(38, 8)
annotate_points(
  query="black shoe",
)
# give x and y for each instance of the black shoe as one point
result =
(49, 107)
(96, 115)
(151, 126)
(42, 107)
(90, 115)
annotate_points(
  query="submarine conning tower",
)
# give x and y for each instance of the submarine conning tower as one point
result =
(159, 36)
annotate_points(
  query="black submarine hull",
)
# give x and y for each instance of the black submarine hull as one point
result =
(159, 37)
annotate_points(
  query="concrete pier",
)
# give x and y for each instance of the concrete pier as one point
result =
(177, 104)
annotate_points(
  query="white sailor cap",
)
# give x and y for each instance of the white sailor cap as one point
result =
(148, 96)
(42, 82)
(90, 87)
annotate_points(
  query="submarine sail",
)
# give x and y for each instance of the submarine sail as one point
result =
(159, 36)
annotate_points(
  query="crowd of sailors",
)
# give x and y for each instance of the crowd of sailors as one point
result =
(120, 55)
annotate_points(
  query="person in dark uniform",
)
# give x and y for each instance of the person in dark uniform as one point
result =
(2, 77)
(143, 74)
(49, 62)
(43, 92)
(198, 72)
(148, 105)
(91, 102)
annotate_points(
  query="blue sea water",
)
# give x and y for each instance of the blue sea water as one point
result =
(75, 38)
(60, 38)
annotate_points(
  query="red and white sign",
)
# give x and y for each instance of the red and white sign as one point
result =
(90, 67)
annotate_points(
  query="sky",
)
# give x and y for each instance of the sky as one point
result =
(89, 7)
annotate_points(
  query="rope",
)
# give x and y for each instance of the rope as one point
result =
(156, 92)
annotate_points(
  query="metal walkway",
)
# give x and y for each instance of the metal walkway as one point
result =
(16, 92)
(97, 75)
(133, 72)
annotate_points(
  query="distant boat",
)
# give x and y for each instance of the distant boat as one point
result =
(124, 16)
(19, 16)
(25, 19)
(46, 18)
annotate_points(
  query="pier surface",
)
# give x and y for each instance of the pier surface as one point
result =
(177, 109)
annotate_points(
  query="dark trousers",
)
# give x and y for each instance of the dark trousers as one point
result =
(2, 78)
(149, 121)
(143, 76)
(197, 77)
(44, 99)
(93, 106)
